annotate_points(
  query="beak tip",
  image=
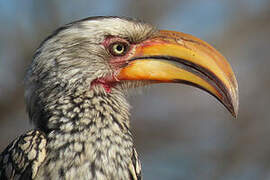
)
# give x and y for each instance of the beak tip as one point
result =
(235, 113)
(235, 102)
(235, 109)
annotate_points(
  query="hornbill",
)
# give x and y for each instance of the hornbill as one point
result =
(76, 95)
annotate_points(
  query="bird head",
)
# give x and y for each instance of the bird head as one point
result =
(112, 53)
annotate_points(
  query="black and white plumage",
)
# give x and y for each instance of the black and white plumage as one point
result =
(22, 158)
(75, 96)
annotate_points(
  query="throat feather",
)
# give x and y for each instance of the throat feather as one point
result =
(107, 83)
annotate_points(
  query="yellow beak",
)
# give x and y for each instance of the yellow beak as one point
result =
(181, 58)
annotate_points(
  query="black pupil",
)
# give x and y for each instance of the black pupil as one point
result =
(119, 47)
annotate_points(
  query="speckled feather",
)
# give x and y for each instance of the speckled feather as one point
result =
(22, 158)
(83, 132)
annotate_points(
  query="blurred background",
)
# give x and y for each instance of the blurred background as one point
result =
(180, 132)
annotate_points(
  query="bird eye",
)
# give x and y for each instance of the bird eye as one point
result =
(118, 49)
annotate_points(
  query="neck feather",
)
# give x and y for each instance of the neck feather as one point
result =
(91, 130)
(84, 109)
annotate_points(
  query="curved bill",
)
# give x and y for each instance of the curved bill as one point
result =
(176, 57)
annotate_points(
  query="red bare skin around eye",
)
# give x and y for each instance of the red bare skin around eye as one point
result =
(116, 63)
